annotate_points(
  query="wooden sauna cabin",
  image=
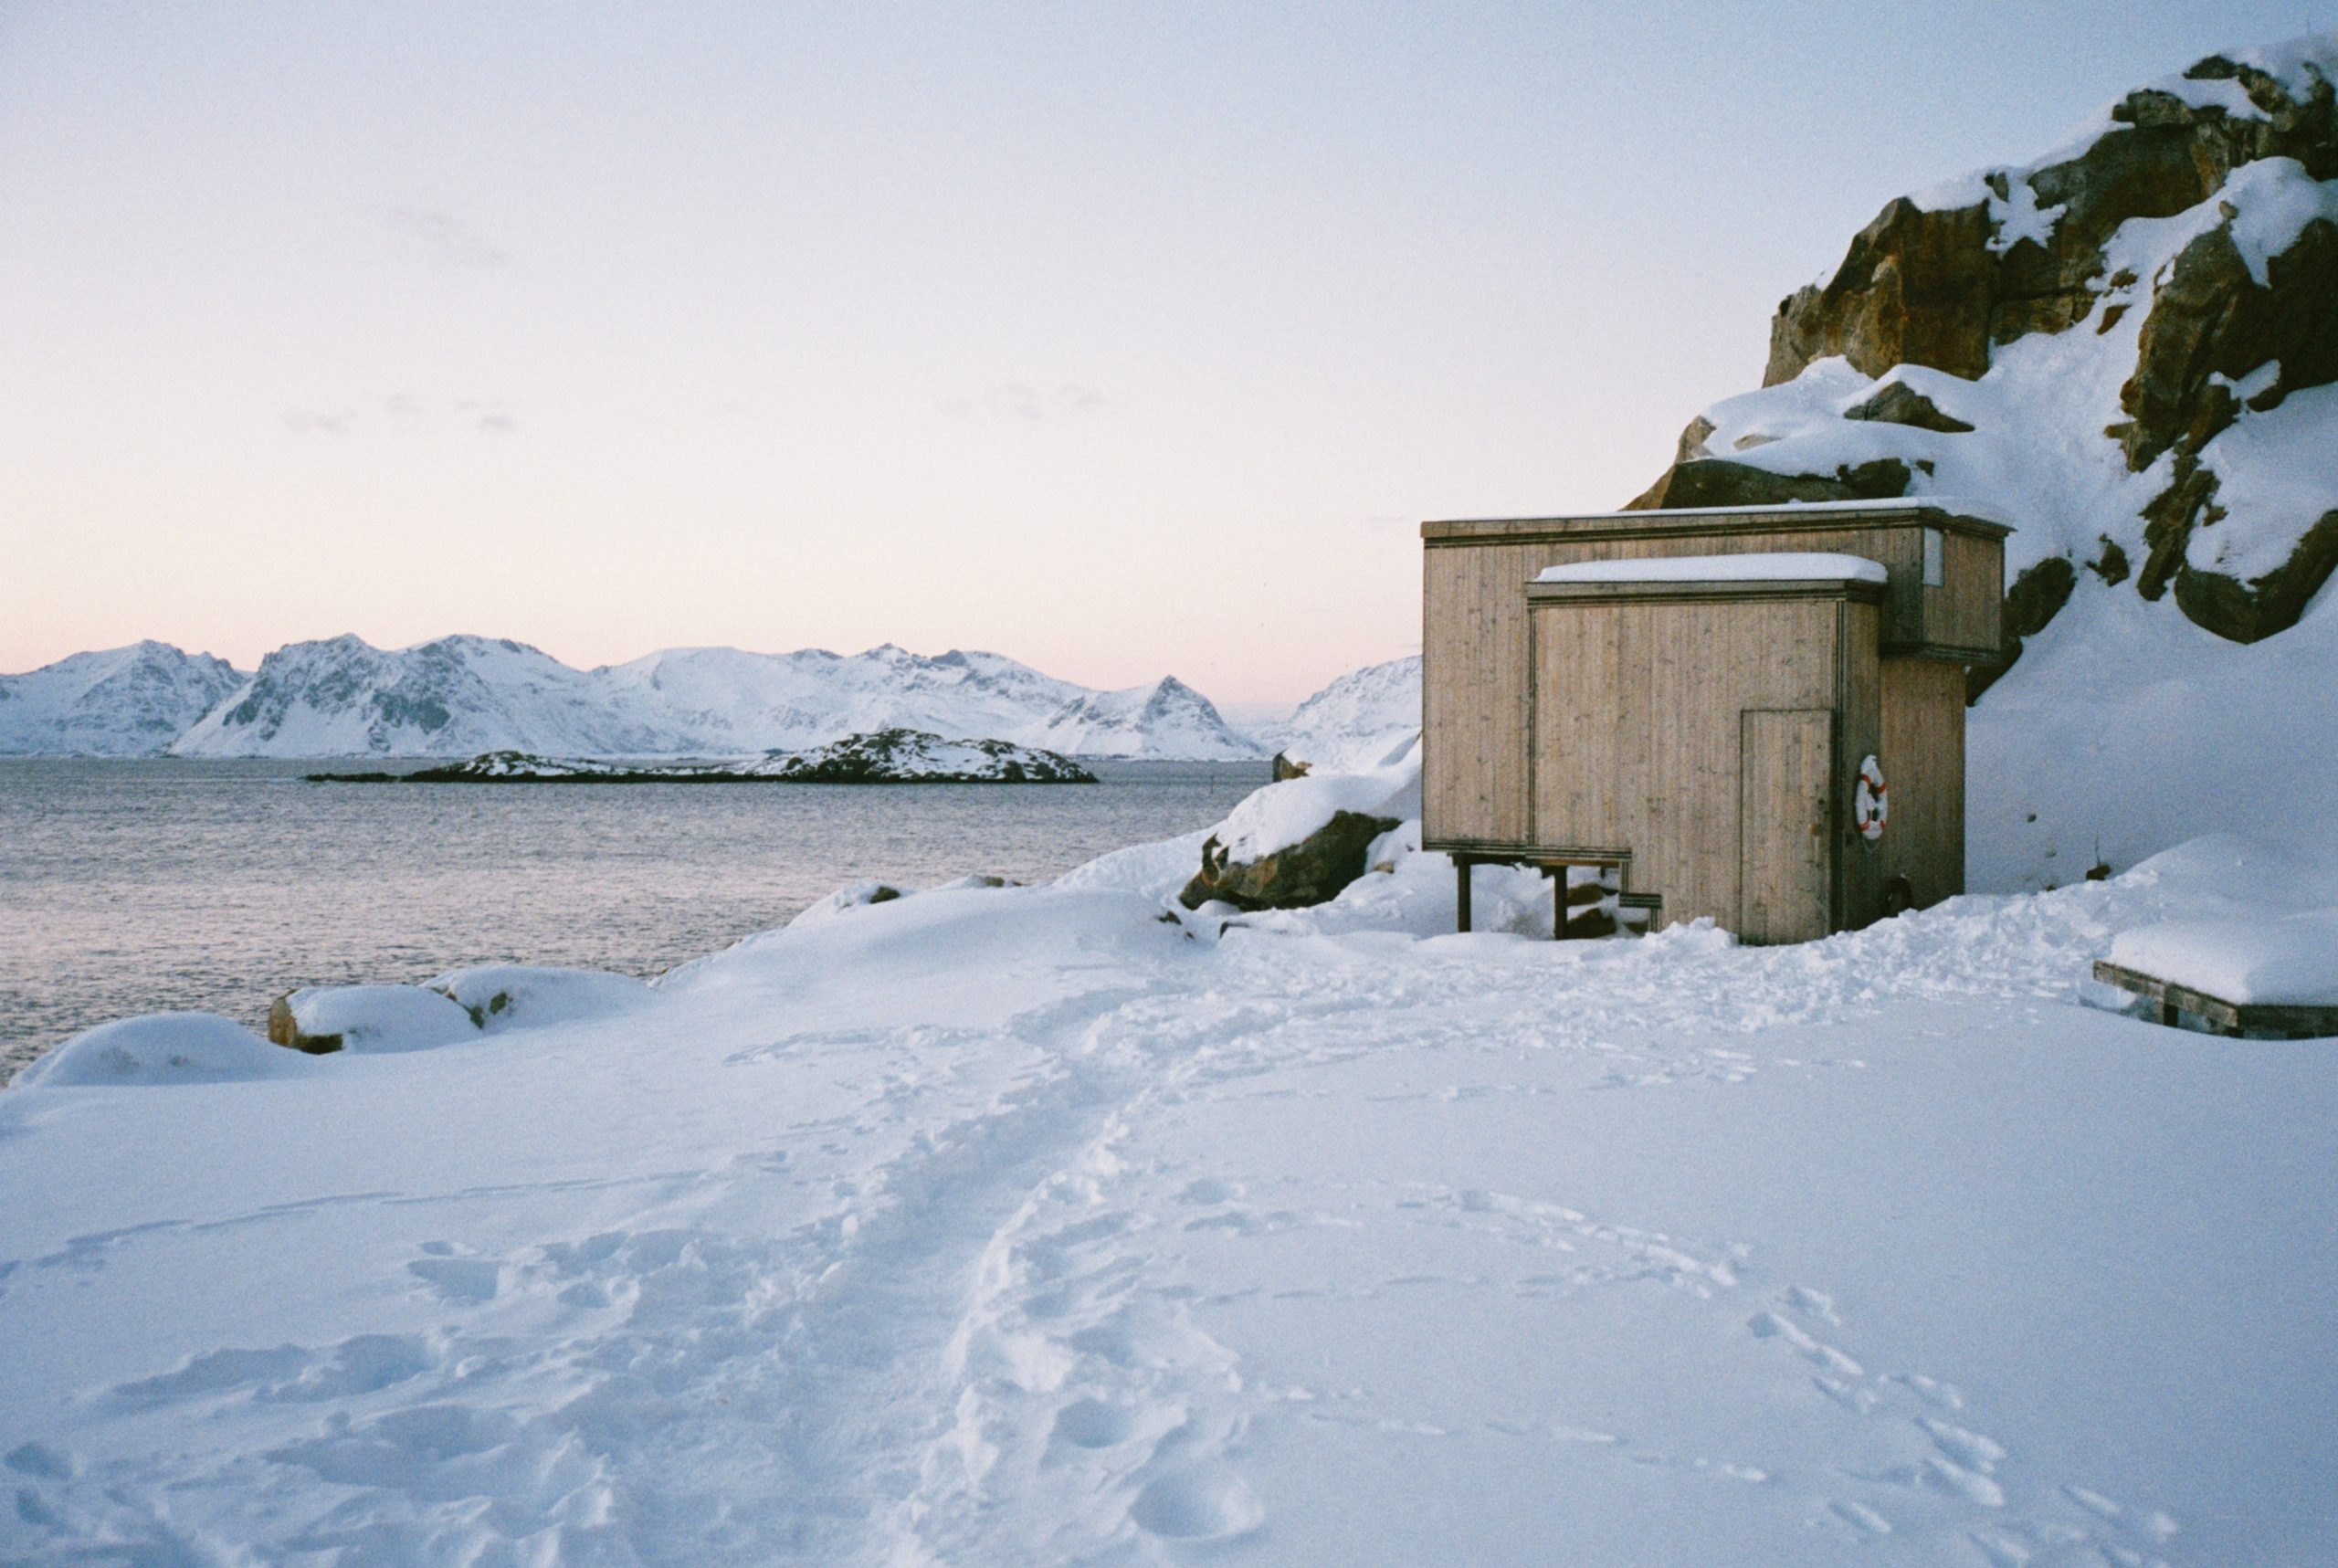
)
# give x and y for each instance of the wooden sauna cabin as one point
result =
(1778, 744)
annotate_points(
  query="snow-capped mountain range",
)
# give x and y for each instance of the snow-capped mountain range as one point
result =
(124, 703)
(459, 696)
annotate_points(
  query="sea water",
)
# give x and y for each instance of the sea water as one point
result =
(136, 886)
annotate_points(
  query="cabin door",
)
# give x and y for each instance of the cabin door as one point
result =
(1785, 824)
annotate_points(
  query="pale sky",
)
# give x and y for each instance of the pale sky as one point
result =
(1121, 338)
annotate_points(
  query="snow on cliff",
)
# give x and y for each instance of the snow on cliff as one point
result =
(124, 703)
(459, 696)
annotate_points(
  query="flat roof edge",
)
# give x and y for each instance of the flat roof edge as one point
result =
(1962, 512)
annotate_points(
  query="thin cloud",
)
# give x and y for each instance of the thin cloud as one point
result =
(487, 415)
(321, 421)
(1021, 400)
(442, 238)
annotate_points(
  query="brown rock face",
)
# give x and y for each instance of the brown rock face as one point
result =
(1311, 871)
(1924, 288)
(1717, 481)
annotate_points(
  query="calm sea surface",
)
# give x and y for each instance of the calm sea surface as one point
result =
(133, 886)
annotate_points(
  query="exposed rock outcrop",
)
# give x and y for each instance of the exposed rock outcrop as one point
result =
(2113, 346)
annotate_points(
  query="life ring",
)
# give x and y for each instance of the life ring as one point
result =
(1871, 804)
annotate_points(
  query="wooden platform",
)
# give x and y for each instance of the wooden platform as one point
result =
(2287, 1021)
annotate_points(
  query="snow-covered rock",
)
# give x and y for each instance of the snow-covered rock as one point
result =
(160, 1048)
(320, 1020)
(499, 996)
(1300, 841)
(1366, 719)
(124, 703)
(459, 697)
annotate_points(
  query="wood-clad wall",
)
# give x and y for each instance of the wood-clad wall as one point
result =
(1922, 754)
(1638, 729)
(1474, 694)
(1967, 612)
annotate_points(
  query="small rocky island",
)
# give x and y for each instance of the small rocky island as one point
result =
(883, 756)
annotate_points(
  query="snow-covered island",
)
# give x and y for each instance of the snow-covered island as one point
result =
(888, 756)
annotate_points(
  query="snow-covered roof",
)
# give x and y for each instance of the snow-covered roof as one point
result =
(1950, 506)
(1759, 566)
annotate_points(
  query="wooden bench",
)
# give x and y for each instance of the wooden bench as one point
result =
(1634, 912)
(2292, 1021)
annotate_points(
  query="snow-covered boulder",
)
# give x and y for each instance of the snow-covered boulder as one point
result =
(851, 896)
(320, 1020)
(1302, 841)
(160, 1048)
(501, 996)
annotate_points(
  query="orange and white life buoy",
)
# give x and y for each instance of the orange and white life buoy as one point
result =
(1869, 803)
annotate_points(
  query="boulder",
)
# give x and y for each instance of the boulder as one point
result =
(1897, 402)
(160, 1048)
(1718, 481)
(506, 996)
(1311, 872)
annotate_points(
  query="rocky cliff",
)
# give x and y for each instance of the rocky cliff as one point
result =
(2127, 347)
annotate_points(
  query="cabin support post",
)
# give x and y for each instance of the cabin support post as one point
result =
(1559, 910)
(1461, 864)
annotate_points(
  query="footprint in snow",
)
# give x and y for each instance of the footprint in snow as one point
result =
(1206, 1502)
(459, 1278)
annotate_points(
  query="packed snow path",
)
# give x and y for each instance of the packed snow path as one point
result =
(1042, 1225)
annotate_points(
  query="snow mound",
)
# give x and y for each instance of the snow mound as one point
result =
(516, 995)
(851, 896)
(162, 1049)
(1759, 566)
(372, 1019)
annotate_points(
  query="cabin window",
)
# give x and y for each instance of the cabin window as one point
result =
(1936, 569)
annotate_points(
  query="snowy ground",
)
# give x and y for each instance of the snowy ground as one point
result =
(1039, 1224)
